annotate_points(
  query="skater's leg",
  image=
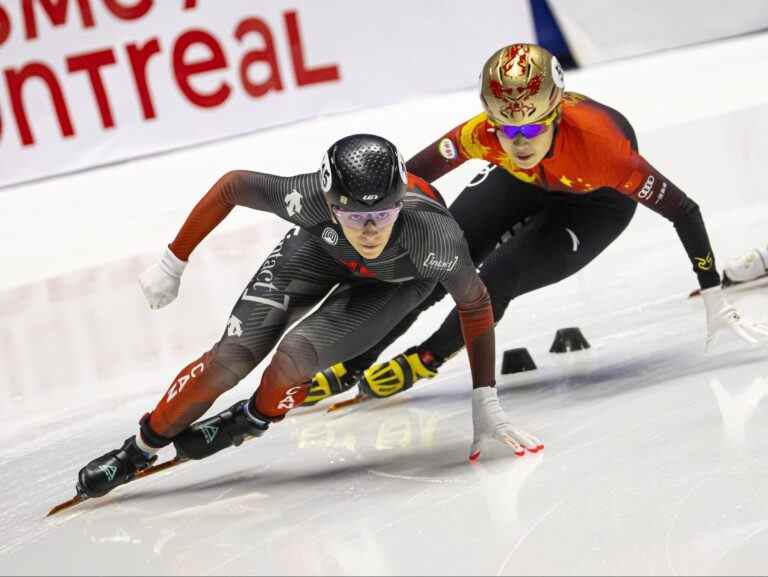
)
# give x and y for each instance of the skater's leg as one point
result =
(296, 276)
(552, 246)
(268, 304)
(352, 319)
(355, 316)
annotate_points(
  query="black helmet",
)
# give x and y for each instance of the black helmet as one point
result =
(363, 172)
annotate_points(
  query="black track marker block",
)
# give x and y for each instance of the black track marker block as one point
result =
(517, 361)
(567, 340)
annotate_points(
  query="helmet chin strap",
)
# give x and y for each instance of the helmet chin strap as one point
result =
(329, 206)
(555, 129)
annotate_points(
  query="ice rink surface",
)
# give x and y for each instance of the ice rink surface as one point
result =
(655, 463)
(656, 459)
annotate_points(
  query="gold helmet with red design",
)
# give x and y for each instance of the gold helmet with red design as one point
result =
(520, 84)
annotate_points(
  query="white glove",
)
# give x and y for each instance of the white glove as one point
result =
(721, 315)
(491, 422)
(748, 267)
(160, 282)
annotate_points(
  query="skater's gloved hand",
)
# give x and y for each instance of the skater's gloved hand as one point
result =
(491, 423)
(723, 316)
(160, 282)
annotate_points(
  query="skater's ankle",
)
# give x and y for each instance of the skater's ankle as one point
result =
(258, 418)
(429, 359)
(147, 440)
(147, 450)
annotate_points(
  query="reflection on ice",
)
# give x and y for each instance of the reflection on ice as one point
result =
(738, 406)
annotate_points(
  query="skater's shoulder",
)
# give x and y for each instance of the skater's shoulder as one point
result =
(424, 209)
(598, 124)
(421, 194)
(425, 214)
(429, 227)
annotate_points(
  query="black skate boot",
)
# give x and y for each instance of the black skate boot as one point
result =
(228, 428)
(115, 468)
(332, 381)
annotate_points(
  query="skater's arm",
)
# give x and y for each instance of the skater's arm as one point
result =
(290, 198)
(451, 264)
(439, 158)
(690, 227)
(477, 327)
(649, 187)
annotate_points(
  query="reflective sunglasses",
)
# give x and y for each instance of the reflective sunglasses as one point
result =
(528, 131)
(358, 220)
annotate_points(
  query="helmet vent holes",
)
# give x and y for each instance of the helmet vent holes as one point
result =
(366, 169)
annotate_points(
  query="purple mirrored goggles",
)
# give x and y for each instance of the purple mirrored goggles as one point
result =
(528, 131)
(358, 219)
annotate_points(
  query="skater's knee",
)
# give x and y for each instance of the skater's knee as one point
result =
(234, 361)
(295, 360)
(503, 287)
(284, 384)
(500, 306)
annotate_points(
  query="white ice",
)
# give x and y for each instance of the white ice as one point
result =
(655, 459)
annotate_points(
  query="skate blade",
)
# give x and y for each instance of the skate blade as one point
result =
(76, 500)
(348, 403)
(308, 410)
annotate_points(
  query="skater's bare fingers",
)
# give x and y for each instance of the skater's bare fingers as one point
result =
(530, 442)
(509, 440)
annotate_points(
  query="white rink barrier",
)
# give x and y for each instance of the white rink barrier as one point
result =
(82, 330)
(602, 30)
(90, 82)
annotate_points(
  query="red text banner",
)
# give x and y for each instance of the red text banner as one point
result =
(89, 82)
